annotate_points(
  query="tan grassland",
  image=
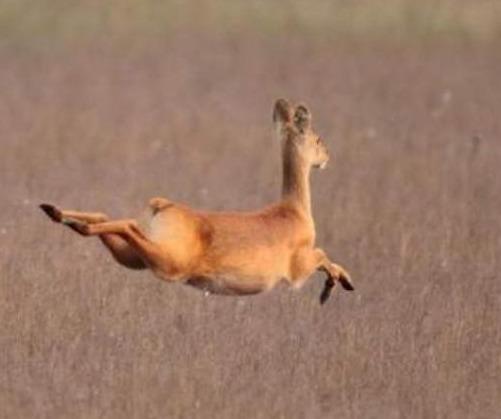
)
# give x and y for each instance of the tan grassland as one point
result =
(410, 204)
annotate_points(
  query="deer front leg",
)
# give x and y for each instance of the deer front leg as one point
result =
(334, 272)
(305, 263)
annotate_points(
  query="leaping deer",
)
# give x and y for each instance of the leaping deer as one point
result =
(228, 252)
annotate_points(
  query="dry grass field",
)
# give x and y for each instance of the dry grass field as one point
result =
(410, 204)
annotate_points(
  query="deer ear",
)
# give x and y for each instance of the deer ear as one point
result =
(282, 112)
(302, 118)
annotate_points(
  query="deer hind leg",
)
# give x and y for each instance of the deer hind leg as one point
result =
(121, 251)
(57, 215)
(307, 261)
(149, 252)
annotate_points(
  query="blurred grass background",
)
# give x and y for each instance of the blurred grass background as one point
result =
(105, 104)
(56, 22)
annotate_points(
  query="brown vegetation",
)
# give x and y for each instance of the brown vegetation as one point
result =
(410, 203)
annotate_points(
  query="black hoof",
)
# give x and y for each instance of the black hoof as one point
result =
(346, 284)
(52, 212)
(327, 291)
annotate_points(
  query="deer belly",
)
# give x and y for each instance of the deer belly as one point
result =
(227, 285)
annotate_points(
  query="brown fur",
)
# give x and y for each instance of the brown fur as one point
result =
(224, 252)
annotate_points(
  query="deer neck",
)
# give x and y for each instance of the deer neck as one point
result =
(296, 183)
